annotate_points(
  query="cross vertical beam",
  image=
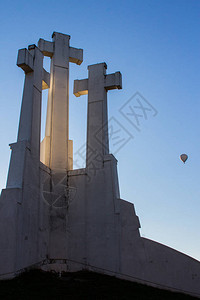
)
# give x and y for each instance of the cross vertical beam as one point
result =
(29, 125)
(56, 146)
(97, 85)
(31, 61)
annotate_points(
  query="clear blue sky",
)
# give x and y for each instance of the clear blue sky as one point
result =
(156, 46)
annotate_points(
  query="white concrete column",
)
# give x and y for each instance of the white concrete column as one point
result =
(29, 125)
(97, 85)
(31, 61)
(56, 145)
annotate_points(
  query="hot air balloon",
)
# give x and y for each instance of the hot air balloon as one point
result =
(183, 157)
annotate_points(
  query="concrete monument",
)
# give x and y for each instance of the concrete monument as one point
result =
(55, 218)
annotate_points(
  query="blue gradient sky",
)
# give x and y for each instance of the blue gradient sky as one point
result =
(156, 46)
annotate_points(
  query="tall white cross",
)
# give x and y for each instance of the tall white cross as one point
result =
(36, 79)
(56, 148)
(96, 86)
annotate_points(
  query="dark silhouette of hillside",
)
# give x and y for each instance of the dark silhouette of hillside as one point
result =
(82, 285)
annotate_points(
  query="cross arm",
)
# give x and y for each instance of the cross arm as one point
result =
(25, 60)
(46, 47)
(113, 81)
(75, 55)
(80, 87)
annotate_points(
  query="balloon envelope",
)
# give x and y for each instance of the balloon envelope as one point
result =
(183, 157)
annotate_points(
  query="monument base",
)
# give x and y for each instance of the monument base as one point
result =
(83, 225)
